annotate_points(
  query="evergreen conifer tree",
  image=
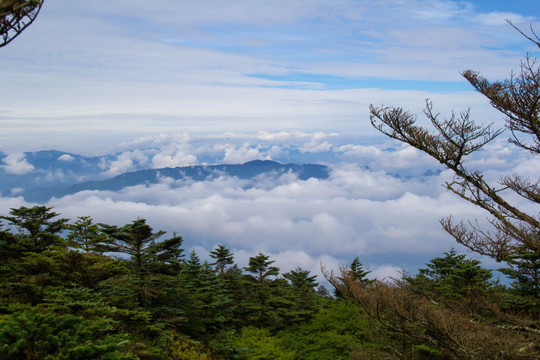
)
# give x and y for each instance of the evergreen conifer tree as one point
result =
(262, 313)
(146, 257)
(223, 257)
(37, 231)
(304, 298)
(86, 235)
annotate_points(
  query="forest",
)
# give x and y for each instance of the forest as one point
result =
(84, 290)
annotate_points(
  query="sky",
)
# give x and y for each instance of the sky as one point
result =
(231, 81)
(89, 75)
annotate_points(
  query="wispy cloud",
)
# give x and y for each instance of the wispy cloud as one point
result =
(500, 18)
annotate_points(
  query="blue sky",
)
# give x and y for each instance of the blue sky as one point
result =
(87, 76)
(175, 83)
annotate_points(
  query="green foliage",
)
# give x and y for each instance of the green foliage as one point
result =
(76, 300)
(453, 277)
(147, 258)
(14, 286)
(28, 279)
(358, 273)
(84, 234)
(10, 246)
(264, 299)
(355, 273)
(332, 333)
(80, 302)
(27, 276)
(31, 335)
(301, 280)
(223, 257)
(260, 266)
(234, 283)
(208, 303)
(37, 231)
(86, 269)
(182, 348)
(303, 298)
(525, 271)
(258, 344)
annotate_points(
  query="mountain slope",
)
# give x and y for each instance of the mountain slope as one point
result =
(247, 170)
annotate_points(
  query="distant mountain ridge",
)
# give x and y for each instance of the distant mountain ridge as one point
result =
(49, 168)
(41, 175)
(248, 170)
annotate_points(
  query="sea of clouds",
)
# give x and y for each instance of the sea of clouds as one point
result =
(382, 202)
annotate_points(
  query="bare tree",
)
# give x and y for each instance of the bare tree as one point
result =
(413, 326)
(15, 16)
(514, 236)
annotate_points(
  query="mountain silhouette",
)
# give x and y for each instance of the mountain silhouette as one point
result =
(248, 170)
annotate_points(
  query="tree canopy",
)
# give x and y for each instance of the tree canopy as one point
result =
(99, 291)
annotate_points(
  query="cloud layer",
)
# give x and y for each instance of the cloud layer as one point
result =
(355, 212)
(382, 202)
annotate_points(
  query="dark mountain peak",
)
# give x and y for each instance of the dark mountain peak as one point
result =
(260, 162)
(245, 171)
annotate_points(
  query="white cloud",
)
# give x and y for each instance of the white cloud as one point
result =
(385, 272)
(322, 216)
(173, 155)
(57, 174)
(529, 167)
(9, 203)
(173, 160)
(17, 164)
(315, 147)
(439, 10)
(16, 191)
(157, 140)
(264, 135)
(500, 18)
(66, 157)
(102, 163)
(126, 161)
(242, 154)
(185, 92)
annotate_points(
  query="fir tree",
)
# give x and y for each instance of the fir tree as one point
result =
(452, 277)
(304, 299)
(262, 313)
(223, 257)
(37, 231)
(147, 257)
(87, 236)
